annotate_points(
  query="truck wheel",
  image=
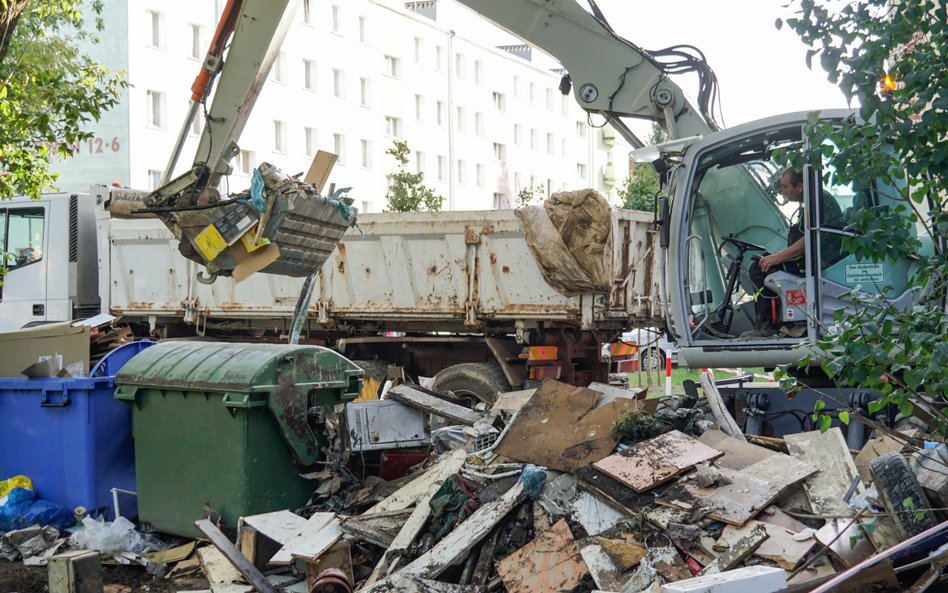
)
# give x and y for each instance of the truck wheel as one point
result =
(482, 380)
(896, 483)
(375, 369)
(652, 359)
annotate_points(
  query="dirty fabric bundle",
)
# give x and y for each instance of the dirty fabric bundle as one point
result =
(570, 237)
(453, 503)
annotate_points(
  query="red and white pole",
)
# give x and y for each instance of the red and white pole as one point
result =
(668, 375)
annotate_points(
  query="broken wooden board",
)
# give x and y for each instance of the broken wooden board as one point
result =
(562, 496)
(604, 572)
(173, 554)
(621, 496)
(339, 556)
(361, 530)
(780, 547)
(408, 495)
(850, 548)
(280, 526)
(512, 401)
(735, 503)
(301, 543)
(551, 562)
(657, 460)
(610, 392)
(764, 464)
(775, 516)
(625, 553)
(217, 568)
(751, 579)
(560, 427)
(738, 552)
(418, 399)
(247, 570)
(827, 451)
(400, 583)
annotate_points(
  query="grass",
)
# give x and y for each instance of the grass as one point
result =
(679, 375)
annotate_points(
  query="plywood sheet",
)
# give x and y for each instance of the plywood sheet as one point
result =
(657, 460)
(851, 548)
(827, 451)
(735, 503)
(778, 469)
(560, 427)
(303, 535)
(551, 562)
(279, 526)
(780, 547)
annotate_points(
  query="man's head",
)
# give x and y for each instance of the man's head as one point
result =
(791, 185)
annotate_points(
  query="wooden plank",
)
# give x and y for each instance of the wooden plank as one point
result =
(560, 427)
(279, 526)
(718, 408)
(657, 460)
(319, 169)
(551, 562)
(313, 526)
(512, 401)
(433, 405)
(827, 451)
(751, 579)
(217, 568)
(244, 566)
(352, 526)
(603, 570)
(778, 469)
(739, 550)
(775, 516)
(485, 559)
(318, 544)
(734, 503)
(339, 556)
(410, 493)
(780, 547)
(849, 548)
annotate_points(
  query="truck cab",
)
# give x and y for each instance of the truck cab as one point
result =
(49, 255)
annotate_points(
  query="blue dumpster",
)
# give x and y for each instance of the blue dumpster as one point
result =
(71, 436)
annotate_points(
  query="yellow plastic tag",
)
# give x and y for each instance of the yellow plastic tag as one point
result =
(210, 242)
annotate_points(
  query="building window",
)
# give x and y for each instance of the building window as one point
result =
(500, 101)
(279, 136)
(338, 83)
(461, 167)
(418, 47)
(307, 12)
(533, 92)
(157, 23)
(362, 29)
(439, 58)
(309, 75)
(581, 129)
(518, 181)
(365, 206)
(419, 161)
(581, 170)
(154, 179)
(459, 66)
(279, 68)
(500, 152)
(441, 161)
(460, 111)
(533, 139)
(549, 99)
(564, 105)
(479, 123)
(517, 135)
(339, 147)
(156, 109)
(499, 201)
(565, 145)
(393, 66)
(439, 112)
(366, 154)
(393, 126)
(419, 108)
(247, 161)
(516, 87)
(479, 175)
(364, 92)
(478, 72)
(197, 42)
(336, 20)
(310, 141)
(549, 144)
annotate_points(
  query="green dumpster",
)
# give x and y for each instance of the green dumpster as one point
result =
(230, 426)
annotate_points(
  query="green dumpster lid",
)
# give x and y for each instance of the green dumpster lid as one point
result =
(285, 373)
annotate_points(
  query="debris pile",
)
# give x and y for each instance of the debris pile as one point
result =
(579, 489)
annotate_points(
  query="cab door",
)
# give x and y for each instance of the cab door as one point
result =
(22, 248)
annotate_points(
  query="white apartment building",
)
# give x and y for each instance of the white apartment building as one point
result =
(482, 121)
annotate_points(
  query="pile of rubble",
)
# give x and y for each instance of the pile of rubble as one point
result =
(581, 489)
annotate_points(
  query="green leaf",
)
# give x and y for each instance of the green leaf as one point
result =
(844, 417)
(908, 503)
(825, 423)
(906, 408)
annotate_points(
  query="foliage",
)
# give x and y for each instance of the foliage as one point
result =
(49, 91)
(530, 194)
(898, 139)
(408, 192)
(638, 190)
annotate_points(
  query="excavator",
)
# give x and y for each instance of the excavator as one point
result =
(719, 207)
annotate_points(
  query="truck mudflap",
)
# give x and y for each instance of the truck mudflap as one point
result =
(300, 228)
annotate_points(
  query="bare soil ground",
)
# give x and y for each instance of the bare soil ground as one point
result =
(16, 578)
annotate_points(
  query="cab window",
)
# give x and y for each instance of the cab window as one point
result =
(23, 230)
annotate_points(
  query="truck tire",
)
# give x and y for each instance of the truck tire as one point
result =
(652, 359)
(895, 483)
(482, 380)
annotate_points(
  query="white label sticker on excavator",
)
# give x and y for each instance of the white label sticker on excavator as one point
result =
(864, 274)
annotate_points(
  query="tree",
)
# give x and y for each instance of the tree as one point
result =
(408, 192)
(898, 138)
(49, 91)
(530, 194)
(639, 188)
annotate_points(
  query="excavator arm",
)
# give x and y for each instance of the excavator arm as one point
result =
(610, 76)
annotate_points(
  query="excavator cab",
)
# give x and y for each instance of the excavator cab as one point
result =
(727, 212)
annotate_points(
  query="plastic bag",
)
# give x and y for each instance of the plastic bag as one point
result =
(112, 537)
(23, 509)
(7, 485)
